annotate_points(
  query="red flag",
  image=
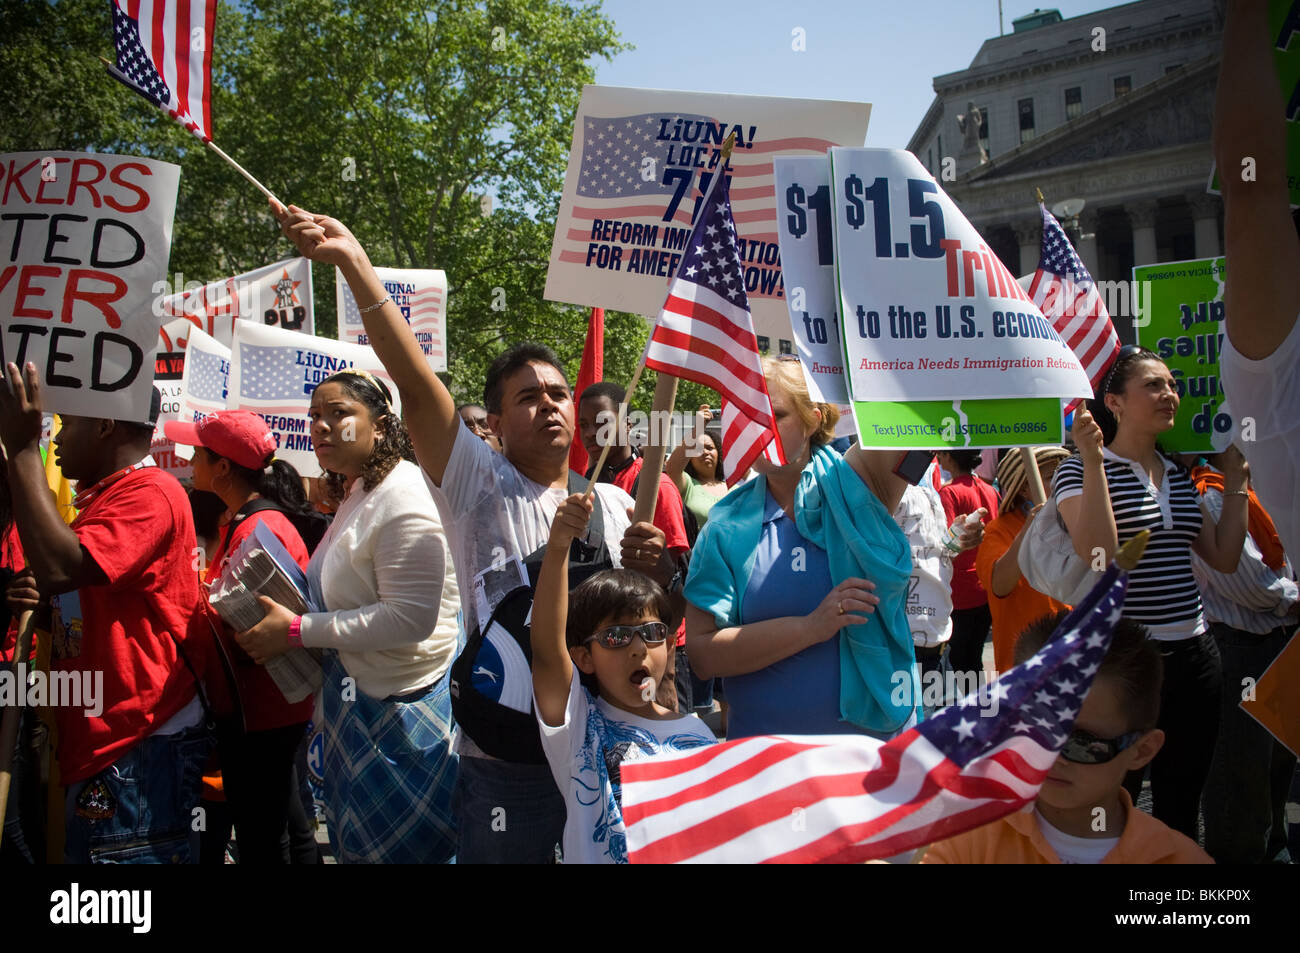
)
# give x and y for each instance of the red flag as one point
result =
(591, 371)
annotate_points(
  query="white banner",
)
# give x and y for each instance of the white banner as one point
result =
(86, 237)
(803, 197)
(639, 165)
(928, 311)
(420, 293)
(279, 295)
(273, 372)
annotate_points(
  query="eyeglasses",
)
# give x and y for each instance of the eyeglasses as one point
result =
(618, 636)
(1083, 748)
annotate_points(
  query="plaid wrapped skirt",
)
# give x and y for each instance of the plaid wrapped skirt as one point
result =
(389, 773)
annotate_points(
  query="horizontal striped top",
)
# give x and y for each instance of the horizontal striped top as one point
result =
(1162, 592)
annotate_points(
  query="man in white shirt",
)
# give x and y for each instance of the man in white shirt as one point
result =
(1261, 356)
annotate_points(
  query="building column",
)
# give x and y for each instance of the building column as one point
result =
(1205, 222)
(1087, 247)
(1029, 235)
(1142, 216)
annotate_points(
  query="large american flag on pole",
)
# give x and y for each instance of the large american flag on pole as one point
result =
(164, 53)
(1066, 294)
(773, 799)
(705, 333)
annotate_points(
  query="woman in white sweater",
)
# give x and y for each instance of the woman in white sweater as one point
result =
(384, 573)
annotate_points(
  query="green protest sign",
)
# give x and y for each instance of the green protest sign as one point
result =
(1284, 29)
(926, 424)
(1180, 317)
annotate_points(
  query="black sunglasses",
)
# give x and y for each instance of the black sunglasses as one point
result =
(1084, 748)
(617, 636)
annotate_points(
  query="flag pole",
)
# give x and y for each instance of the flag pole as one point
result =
(207, 142)
(1027, 458)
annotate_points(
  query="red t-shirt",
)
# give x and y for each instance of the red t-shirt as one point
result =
(964, 495)
(11, 557)
(263, 704)
(140, 533)
(668, 515)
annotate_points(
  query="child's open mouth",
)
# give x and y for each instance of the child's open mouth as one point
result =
(639, 676)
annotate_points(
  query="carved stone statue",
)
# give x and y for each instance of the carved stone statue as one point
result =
(970, 123)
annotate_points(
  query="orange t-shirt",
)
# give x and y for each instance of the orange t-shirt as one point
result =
(1011, 613)
(1018, 839)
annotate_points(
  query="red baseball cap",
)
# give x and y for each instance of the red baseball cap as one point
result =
(238, 435)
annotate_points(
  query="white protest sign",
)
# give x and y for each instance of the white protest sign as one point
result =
(803, 195)
(420, 293)
(273, 373)
(204, 382)
(169, 378)
(640, 163)
(279, 295)
(942, 345)
(84, 239)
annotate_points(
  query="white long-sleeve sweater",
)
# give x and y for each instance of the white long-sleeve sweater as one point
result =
(384, 572)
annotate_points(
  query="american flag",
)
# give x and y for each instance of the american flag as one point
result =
(164, 52)
(275, 374)
(612, 186)
(705, 334)
(420, 294)
(1066, 294)
(208, 375)
(850, 799)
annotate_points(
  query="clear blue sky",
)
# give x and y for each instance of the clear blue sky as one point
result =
(885, 52)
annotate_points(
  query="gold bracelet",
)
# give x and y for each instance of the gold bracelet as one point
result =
(378, 304)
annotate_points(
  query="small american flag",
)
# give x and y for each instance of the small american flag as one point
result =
(164, 53)
(275, 374)
(705, 334)
(1066, 294)
(208, 375)
(850, 799)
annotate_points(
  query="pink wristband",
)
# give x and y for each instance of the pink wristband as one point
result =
(295, 632)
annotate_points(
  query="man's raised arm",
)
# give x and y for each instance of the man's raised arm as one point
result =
(1262, 297)
(427, 405)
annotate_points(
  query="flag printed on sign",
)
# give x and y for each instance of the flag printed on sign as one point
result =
(164, 53)
(203, 382)
(1066, 294)
(847, 798)
(705, 334)
(419, 293)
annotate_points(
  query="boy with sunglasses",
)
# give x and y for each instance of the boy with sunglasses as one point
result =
(615, 634)
(1083, 815)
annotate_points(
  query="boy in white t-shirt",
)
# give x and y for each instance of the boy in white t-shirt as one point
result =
(615, 634)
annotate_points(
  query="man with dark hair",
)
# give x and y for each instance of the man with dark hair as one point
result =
(1083, 815)
(497, 510)
(598, 425)
(124, 595)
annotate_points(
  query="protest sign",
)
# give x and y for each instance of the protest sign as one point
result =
(803, 195)
(420, 293)
(204, 380)
(942, 345)
(640, 163)
(1180, 317)
(273, 373)
(279, 295)
(86, 237)
(169, 378)
(1284, 31)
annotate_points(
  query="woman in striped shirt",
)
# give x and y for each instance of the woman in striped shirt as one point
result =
(1120, 483)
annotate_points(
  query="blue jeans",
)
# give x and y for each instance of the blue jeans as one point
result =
(509, 813)
(140, 809)
(1250, 777)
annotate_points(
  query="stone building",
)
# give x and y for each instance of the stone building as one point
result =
(1114, 107)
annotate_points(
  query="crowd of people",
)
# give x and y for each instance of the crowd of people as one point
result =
(495, 639)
